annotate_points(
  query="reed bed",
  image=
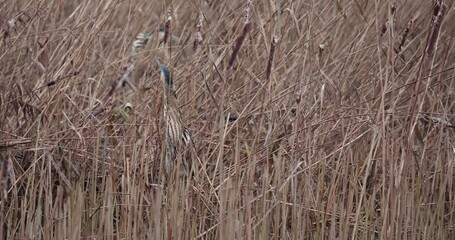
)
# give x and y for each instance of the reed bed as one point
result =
(329, 119)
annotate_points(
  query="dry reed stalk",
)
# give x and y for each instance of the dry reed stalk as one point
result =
(409, 26)
(393, 8)
(57, 80)
(383, 28)
(436, 120)
(167, 26)
(198, 36)
(6, 176)
(43, 57)
(242, 36)
(271, 55)
(439, 9)
(124, 79)
(12, 24)
(385, 25)
(4, 179)
(238, 43)
(20, 21)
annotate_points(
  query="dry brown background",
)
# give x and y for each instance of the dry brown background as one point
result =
(350, 137)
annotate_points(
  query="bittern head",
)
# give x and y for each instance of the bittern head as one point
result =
(166, 77)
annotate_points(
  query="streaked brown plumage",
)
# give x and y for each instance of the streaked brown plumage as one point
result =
(177, 137)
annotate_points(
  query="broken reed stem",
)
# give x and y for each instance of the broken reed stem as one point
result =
(393, 8)
(167, 26)
(272, 53)
(20, 21)
(239, 43)
(126, 73)
(3, 180)
(385, 25)
(198, 35)
(6, 173)
(53, 82)
(405, 36)
(11, 25)
(242, 36)
(436, 21)
(433, 32)
(383, 28)
(124, 79)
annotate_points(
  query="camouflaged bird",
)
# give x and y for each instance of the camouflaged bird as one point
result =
(177, 138)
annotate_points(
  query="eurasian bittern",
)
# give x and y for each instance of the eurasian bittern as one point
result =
(177, 137)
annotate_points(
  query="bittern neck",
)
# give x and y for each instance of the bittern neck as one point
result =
(169, 95)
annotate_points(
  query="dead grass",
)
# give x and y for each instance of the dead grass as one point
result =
(343, 132)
